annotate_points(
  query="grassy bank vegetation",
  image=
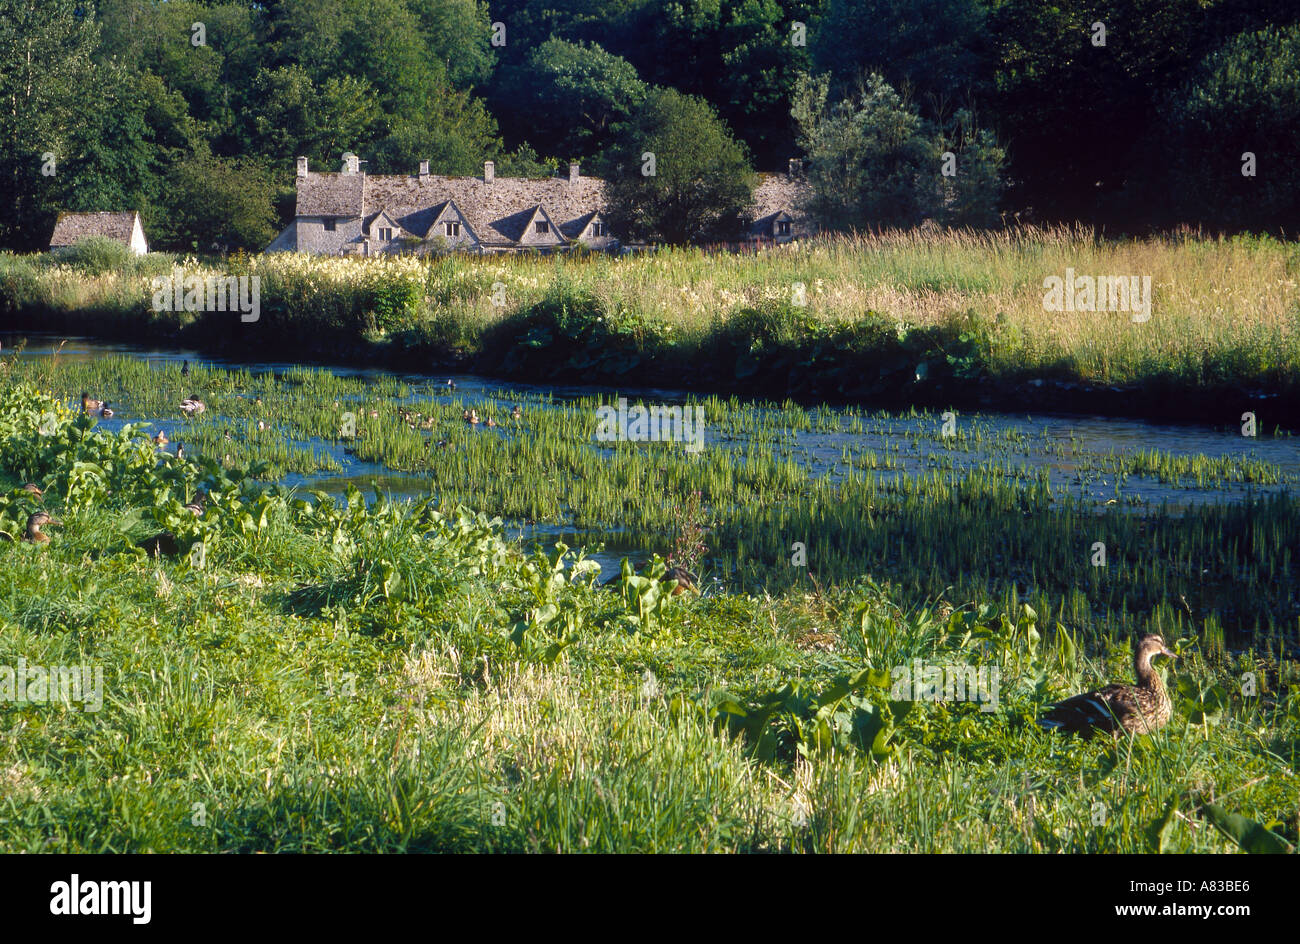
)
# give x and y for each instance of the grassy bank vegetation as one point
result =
(900, 317)
(344, 675)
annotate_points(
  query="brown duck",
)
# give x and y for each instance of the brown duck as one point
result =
(89, 405)
(1132, 709)
(35, 522)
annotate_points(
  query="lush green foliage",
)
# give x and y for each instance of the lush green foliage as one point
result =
(362, 676)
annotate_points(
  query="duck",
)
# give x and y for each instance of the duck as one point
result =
(1118, 708)
(451, 385)
(164, 544)
(35, 522)
(180, 450)
(90, 405)
(472, 419)
(32, 488)
(192, 406)
(197, 506)
(491, 423)
(185, 368)
(682, 579)
(105, 412)
(687, 582)
(161, 439)
(517, 413)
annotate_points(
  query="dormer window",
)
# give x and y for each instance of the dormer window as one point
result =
(783, 228)
(542, 226)
(597, 228)
(451, 229)
(331, 225)
(385, 234)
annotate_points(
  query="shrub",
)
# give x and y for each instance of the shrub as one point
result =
(96, 255)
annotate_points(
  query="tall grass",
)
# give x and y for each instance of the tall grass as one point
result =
(1225, 311)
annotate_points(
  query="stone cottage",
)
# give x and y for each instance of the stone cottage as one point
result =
(125, 228)
(355, 213)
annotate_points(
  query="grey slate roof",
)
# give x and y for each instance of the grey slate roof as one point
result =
(71, 227)
(497, 212)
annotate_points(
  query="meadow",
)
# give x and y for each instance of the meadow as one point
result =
(899, 317)
(355, 672)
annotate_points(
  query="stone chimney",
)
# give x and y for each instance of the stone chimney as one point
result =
(351, 164)
(489, 171)
(302, 167)
(424, 169)
(795, 167)
(573, 173)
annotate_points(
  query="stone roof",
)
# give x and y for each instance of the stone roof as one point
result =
(775, 194)
(72, 227)
(497, 210)
(332, 195)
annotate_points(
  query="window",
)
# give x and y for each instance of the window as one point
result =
(783, 228)
(385, 233)
(451, 229)
(330, 225)
(597, 228)
(543, 227)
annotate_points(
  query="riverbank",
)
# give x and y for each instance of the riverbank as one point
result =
(896, 320)
(341, 676)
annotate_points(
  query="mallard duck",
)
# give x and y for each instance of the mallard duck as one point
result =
(161, 439)
(185, 368)
(451, 384)
(517, 413)
(89, 405)
(192, 406)
(686, 581)
(1135, 709)
(491, 423)
(105, 412)
(32, 488)
(35, 523)
(180, 451)
(164, 544)
(197, 506)
(472, 419)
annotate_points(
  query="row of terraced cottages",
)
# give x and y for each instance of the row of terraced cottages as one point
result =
(352, 212)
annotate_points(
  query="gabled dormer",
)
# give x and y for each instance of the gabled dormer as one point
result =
(384, 228)
(540, 230)
(452, 227)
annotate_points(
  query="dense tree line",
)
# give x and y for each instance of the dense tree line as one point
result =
(1119, 112)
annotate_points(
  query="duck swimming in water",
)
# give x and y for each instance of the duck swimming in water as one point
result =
(90, 405)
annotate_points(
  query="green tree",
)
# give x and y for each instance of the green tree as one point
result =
(869, 155)
(675, 173)
(570, 95)
(1245, 98)
(214, 204)
(45, 70)
(936, 50)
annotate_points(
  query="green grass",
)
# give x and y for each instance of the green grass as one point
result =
(342, 676)
(843, 318)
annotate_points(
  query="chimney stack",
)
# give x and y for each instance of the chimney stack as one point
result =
(489, 171)
(424, 169)
(302, 167)
(351, 164)
(573, 173)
